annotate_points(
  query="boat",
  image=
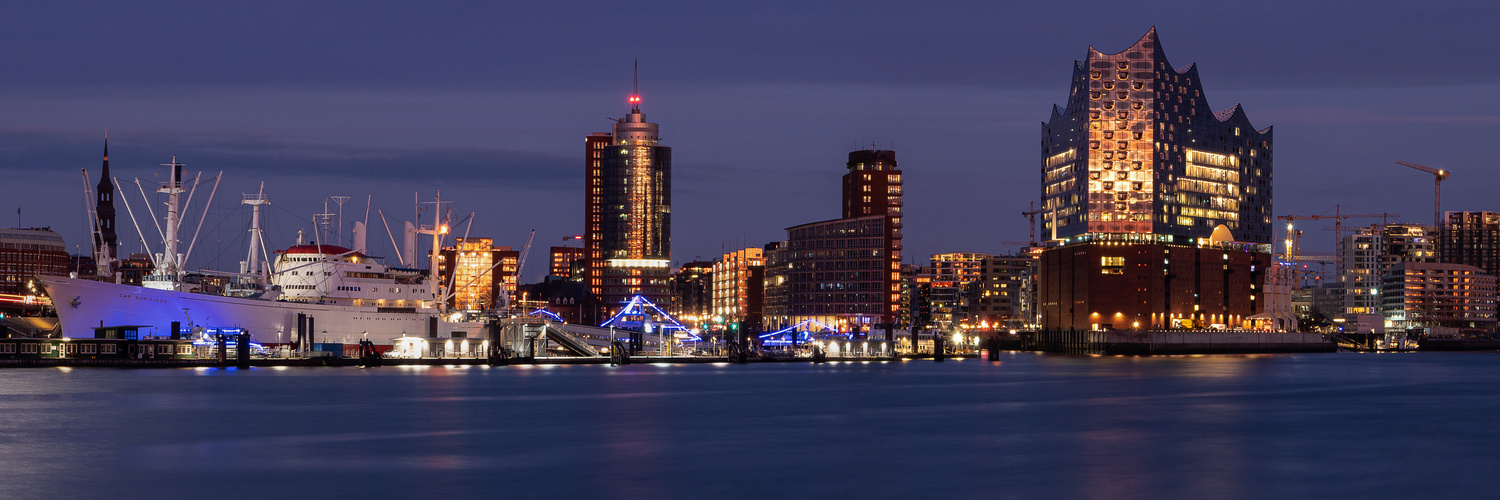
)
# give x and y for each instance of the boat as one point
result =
(310, 293)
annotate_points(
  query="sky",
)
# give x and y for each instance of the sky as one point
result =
(488, 103)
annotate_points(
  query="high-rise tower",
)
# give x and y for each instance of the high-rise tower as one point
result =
(1138, 150)
(628, 213)
(105, 241)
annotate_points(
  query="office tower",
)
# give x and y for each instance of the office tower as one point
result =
(1137, 149)
(1471, 238)
(628, 213)
(739, 287)
(1158, 207)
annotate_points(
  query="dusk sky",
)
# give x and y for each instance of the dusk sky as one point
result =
(761, 102)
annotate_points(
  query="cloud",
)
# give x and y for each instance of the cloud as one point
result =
(31, 151)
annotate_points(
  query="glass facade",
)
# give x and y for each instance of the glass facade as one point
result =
(1138, 150)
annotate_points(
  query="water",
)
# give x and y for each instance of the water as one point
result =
(1031, 426)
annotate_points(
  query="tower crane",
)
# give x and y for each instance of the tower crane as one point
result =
(1438, 176)
(1031, 226)
(1292, 249)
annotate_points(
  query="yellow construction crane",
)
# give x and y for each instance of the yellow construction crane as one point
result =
(1438, 176)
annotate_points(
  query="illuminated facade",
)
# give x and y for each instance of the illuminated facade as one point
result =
(1127, 285)
(1427, 294)
(739, 287)
(1138, 150)
(1369, 253)
(628, 214)
(563, 260)
(468, 269)
(1004, 296)
(692, 292)
(952, 273)
(26, 253)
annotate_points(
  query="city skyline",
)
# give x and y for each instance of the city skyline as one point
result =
(963, 120)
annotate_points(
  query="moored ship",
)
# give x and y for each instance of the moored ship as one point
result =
(310, 293)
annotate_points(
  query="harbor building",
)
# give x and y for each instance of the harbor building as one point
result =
(472, 277)
(845, 272)
(627, 214)
(739, 287)
(1157, 207)
(1471, 238)
(1436, 295)
(25, 254)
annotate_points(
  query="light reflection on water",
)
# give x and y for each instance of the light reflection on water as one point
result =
(1031, 426)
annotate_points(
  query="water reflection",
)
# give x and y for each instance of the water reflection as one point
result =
(1030, 426)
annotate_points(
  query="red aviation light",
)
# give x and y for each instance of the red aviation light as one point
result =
(635, 99)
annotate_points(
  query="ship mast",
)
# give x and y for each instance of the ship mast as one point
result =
(170, 261)
(257, 242)
(437, 230)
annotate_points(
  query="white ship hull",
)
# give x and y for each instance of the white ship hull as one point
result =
(85, 304)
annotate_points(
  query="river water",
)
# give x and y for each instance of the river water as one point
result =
(1416, 425)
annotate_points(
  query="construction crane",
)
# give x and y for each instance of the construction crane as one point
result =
(1294, 241)
(1031, 217)
(1438, 176)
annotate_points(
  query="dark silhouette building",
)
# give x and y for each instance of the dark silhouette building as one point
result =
(106, 242)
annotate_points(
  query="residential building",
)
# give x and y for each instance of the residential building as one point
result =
(952, 273)
(845, 272)
(1430, 294)
(692, 292)
(739, 287)
(565, 262)
(1471, 238)
(1004, 296)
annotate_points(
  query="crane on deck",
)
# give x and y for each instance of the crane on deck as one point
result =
(520, 264)
(1438, 176)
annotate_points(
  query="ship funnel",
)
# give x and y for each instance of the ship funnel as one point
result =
(409, 246)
